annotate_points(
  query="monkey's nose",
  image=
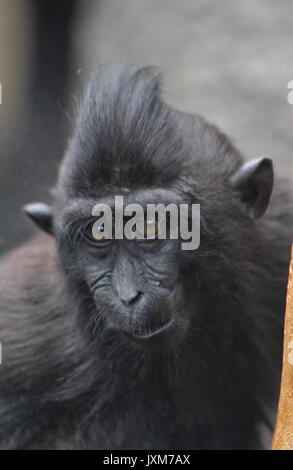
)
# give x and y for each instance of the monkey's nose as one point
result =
(130, 298)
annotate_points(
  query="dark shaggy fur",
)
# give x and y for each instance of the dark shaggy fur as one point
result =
(65, 381)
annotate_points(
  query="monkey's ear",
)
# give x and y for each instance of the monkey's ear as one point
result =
(254, 181)
(41, 215)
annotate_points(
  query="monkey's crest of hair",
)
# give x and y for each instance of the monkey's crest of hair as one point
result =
(125, 134)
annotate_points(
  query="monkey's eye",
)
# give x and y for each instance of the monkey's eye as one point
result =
(96, 232)
(151, 229)
(99, 231)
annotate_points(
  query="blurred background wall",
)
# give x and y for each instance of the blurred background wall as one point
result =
(230, 61)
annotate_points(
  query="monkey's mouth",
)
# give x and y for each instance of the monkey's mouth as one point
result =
(144, 336)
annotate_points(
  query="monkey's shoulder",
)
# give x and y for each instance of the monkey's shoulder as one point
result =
(27, 274)
(35, 256)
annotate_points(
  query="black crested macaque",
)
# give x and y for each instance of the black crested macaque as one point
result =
(138, 344)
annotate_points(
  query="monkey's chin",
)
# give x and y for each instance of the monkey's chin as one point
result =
(166, 337)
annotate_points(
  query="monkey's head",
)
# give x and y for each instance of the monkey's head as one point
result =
(128, 142)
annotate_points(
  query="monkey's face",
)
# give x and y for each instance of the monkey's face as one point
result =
(137, 288)
(137, 285)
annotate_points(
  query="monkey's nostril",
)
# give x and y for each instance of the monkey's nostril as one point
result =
(132, 297)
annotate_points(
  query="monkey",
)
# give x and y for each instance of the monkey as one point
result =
(137, 344)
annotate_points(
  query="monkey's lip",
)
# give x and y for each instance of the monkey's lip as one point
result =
(153, 333)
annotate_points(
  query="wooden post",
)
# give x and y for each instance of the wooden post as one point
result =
(283, 434)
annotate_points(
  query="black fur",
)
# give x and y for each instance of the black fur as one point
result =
(69, 381)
